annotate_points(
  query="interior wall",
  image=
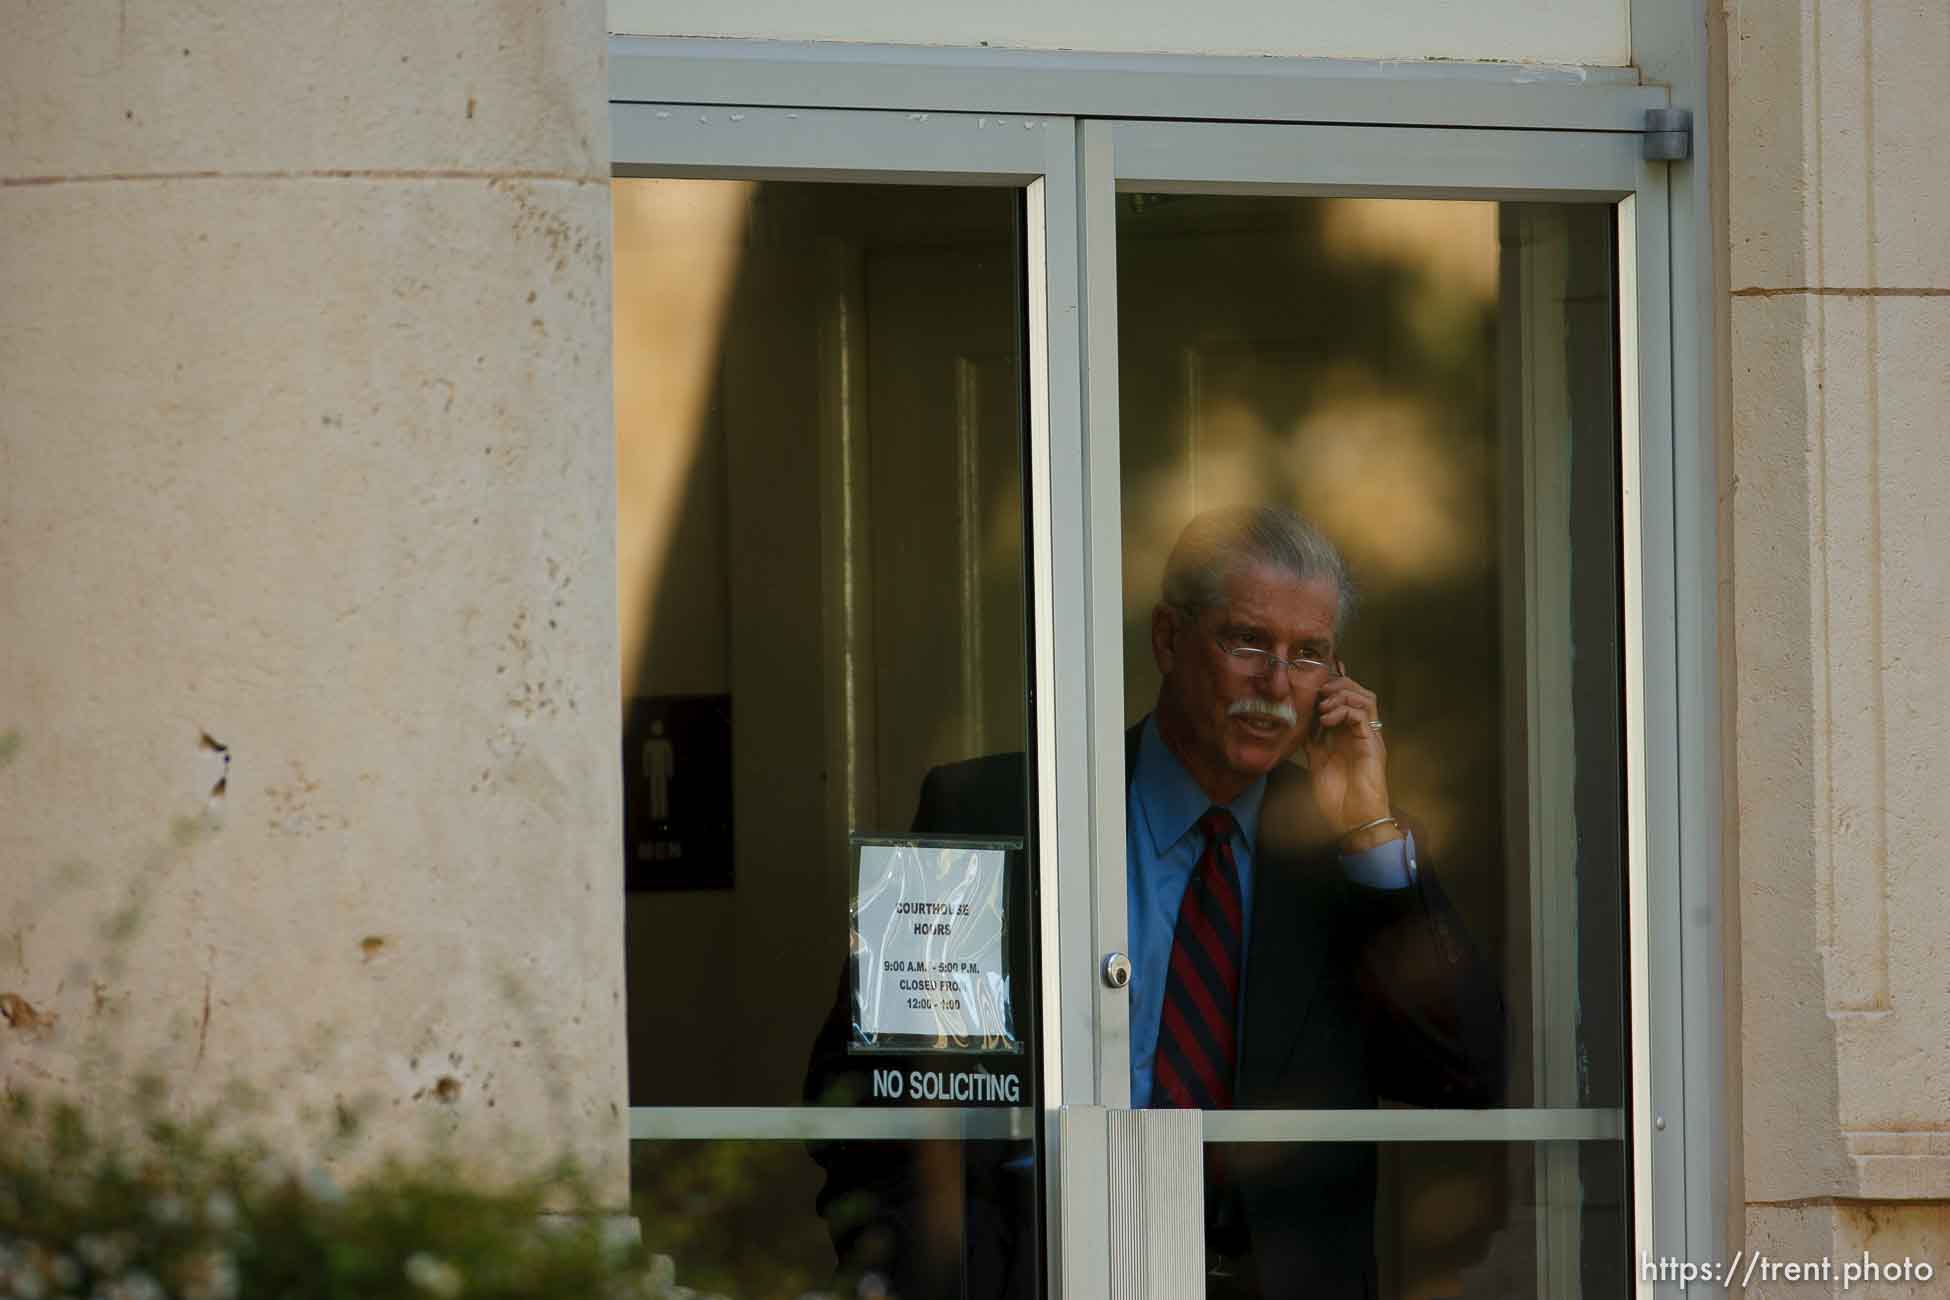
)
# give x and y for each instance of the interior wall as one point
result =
(678, 250)
(1593, 32)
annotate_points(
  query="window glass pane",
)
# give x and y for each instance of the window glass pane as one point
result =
(823, 617)
(1433, 385)
(747, 1219)
(1445, 1220)
(1424, 394)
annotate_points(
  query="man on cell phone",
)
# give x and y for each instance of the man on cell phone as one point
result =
(1290, 947)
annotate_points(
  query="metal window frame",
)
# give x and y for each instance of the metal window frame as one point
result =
(1680, 44)
(1237, 88)
(795, 111)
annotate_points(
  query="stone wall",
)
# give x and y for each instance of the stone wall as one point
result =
(1840, 313)
(1589, 32)
(307, 573)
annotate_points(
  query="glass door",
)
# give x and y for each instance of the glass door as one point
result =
(830, 435)
(1000, 495)
(1373, 400)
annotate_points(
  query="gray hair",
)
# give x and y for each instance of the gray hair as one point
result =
(1218, 543)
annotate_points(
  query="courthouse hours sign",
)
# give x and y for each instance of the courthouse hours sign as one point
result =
(930, 971)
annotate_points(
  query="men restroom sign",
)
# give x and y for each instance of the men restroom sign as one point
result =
(677, 792)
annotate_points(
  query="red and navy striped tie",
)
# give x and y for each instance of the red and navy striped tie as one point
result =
(1197, 1037)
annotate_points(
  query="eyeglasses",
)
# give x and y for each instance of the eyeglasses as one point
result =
(1252, 661)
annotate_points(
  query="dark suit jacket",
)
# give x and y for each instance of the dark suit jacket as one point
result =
(1352, 994)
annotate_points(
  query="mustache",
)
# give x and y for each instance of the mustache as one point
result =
(1251, 706)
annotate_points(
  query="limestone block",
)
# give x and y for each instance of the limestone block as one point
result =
(1892, 1234)
(1841, 621)
(1839, 103)
(1799, 1233)
(1587, 32)
(1788, 1069)
(1771, 144)
(1901, 1242)
(1835, 137)
(90, 88)
(1908, 69)
(1896, 1068)
(1850, 774)
(319, 472)
(1901, 1165)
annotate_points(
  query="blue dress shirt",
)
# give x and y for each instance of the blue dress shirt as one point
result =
(1162, 847)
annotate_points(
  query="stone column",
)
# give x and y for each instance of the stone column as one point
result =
(307, 577)
(1840, 273)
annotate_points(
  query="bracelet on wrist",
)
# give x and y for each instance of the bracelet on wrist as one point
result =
(1386, 820)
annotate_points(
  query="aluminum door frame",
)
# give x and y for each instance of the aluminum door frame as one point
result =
(1480, 164)
(1071, 168)
(1036, 153)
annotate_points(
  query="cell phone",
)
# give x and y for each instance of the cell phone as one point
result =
(1314, 730)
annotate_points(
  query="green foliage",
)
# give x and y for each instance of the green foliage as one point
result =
(125, 1200)
(736, 1215)
(159, 1209)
